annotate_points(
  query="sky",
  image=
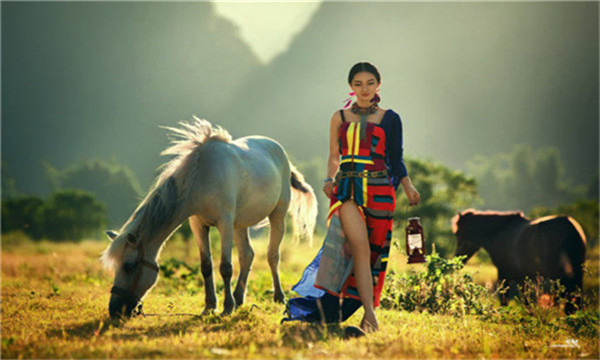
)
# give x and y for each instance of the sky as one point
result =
(268, 26)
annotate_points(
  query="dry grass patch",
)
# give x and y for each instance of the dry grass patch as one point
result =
(55, 300)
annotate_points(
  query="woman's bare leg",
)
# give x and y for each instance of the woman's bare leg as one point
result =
(356, 233)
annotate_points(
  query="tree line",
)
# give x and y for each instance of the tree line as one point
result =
(67, 215)
(90, 195)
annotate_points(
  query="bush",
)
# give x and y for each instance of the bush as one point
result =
(72, 215)
(537, 308)
(23, 214)
(584, 322)
(540, 299)
(439, 290)
(113, 184)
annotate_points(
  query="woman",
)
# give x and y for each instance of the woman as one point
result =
(365, 151)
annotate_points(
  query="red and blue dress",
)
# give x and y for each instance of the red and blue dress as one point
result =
(379, 149)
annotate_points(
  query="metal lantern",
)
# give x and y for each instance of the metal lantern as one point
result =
(415, 241)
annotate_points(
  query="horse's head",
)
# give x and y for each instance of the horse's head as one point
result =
(466, 245)
(134, 273)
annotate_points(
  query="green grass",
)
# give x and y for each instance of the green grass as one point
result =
(55, 305)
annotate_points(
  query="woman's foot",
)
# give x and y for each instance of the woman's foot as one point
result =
(369, 324)
(353, 332)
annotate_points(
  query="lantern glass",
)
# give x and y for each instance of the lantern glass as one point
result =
(415, 241)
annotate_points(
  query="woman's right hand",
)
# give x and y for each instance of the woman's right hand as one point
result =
(328, 188)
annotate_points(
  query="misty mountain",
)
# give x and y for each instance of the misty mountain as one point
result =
(95, 80)
(466, 78)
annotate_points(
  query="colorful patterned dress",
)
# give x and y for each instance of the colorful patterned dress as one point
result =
(379, 150)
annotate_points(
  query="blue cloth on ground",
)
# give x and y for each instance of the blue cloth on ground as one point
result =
(306, 285)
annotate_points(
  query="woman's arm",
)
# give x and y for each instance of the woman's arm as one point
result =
(333, 161)
(411, 193)
(395, 157)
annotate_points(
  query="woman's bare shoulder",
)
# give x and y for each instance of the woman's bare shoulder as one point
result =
(336, 117)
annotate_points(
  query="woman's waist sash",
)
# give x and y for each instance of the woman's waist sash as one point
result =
(360, 174)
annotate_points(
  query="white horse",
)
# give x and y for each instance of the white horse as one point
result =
(213, 181)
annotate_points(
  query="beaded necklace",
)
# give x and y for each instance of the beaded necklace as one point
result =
(363, 113)
(355, 109)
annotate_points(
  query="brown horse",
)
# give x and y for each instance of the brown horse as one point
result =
(552, 247)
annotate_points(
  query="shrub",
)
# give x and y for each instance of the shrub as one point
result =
(439, 290)
(65, 215)
(584, 322)
(23, 214)
(113, 184)
(537, 309)
(72, 215)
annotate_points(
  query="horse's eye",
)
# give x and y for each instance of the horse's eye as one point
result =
(129, 266)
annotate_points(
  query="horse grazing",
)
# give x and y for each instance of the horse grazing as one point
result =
(552, 247)
(212, 181)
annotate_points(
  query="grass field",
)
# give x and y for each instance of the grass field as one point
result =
(55, 305)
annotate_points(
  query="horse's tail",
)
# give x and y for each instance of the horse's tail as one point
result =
(303, 206)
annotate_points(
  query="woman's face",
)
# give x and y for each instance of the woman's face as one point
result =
(365, 85)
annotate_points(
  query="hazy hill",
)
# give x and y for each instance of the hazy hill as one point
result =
(88, 80)
(83, 79)
(466, 78)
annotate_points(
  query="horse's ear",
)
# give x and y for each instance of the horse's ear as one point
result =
(468, 212)
(454, 222)
(131, 239)
(111, 234)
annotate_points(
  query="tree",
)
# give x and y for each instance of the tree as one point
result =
(523, 179)
(25, 214)
(113, 184)
(72, 215)
(443, 192)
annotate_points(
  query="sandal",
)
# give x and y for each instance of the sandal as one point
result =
(353, 332)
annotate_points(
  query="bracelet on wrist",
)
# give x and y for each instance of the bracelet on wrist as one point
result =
(328, 179)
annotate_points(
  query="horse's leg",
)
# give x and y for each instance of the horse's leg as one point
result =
(245, 255)
(201, 233)
(226, 230)
(571, 277)
(504, 295)
(573, 287)
(277, 222)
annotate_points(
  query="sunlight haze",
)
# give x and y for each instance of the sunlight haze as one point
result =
(268, 27)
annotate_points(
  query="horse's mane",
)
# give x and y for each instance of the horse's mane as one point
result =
(495, 219)
(187, 140)
(169, 186)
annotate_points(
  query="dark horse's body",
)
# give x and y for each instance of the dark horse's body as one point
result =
(552, 247)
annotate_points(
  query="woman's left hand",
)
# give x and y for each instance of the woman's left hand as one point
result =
(412, 194)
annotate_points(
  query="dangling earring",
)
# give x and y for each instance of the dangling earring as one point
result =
(348, 101)
(376, 98)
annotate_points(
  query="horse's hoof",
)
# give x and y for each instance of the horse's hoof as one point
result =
(207, 312)
(227, 312)
(239, 299)
(279, 298)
